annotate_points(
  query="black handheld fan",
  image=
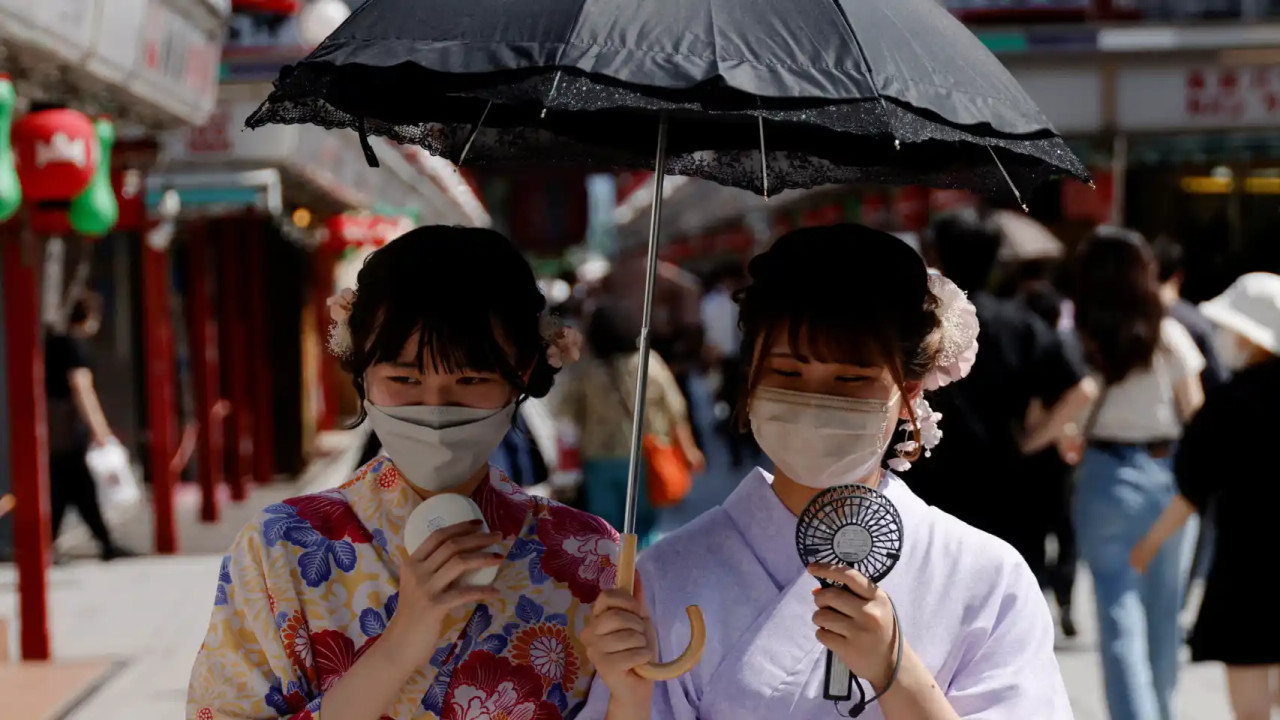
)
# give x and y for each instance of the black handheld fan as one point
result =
(854, 526)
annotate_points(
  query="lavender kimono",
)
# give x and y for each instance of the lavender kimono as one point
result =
(968, 605)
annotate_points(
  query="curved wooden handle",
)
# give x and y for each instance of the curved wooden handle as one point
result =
(697, 626)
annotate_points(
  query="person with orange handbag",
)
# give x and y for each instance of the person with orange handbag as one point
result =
(601, 403)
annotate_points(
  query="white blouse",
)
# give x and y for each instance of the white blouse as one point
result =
(1141, 407)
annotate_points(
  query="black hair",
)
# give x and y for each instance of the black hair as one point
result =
(87, 306)
(605, 335)
(1118, 310)
(1170, 257)
(466, 293)
(843, 293)
(967, 244)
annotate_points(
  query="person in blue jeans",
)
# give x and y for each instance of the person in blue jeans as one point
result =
(1149, 368)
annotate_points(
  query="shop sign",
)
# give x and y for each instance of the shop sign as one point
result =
(366, 229)
(179, 61)
(1173, 98)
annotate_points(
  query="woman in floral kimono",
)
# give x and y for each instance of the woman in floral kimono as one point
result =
(846, 328)
(320, 609)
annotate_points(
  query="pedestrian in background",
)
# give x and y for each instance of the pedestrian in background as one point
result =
(76, 423)
(1238, 624)
(1150, 372)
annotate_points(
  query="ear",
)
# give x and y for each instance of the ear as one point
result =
(911, 392)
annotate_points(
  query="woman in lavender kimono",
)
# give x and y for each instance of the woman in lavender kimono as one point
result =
(846, 328)
(321, 610)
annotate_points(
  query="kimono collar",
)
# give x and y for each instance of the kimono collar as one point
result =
(770, 528)
(382, 500)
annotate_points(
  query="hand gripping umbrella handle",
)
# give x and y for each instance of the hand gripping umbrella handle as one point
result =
(698, 628)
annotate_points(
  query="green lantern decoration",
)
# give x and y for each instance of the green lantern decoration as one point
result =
(10, 188)
(95, 211)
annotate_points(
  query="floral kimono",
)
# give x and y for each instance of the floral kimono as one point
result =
(310, 585)
(968, 604)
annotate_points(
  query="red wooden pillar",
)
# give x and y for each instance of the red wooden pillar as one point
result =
(235, 357)
(28, 440)
(260, 343)
(158, 362)
(203, 334)
(324, 259)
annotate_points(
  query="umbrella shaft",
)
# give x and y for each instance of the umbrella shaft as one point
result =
(642, 374)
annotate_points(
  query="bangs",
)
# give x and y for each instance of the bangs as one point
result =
(827, 338)
(450, 340)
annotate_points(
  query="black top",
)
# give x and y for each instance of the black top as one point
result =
(974, 470)
(62, 354)
(1222, 459)
(1202, 331)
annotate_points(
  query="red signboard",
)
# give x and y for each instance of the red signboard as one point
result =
(1081, 202)
(270, 7)
(1233, 95)
(355, 228)
(911, 208)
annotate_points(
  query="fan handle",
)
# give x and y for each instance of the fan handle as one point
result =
(698, 628)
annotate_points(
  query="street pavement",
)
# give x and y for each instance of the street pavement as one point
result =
(150, 613)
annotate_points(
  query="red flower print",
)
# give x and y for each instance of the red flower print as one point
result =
(504, 507)
(205, 714)
(334, 654)
(488, 687)
(581, 551)
(389, 478)
(548, 649)
(297, 643)
(331, 516)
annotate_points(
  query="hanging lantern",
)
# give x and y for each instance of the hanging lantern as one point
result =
(94, 211)
(56, 153)
(10, 187)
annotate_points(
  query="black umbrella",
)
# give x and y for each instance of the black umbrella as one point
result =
(758, 94)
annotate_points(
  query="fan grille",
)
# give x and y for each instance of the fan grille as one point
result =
(851, 525)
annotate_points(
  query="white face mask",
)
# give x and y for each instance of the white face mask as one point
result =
(821, 440)
(438, 447)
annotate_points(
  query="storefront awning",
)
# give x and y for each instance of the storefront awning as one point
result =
(322, 168)
(149, 61)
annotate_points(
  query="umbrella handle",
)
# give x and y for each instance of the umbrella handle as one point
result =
(698, 628)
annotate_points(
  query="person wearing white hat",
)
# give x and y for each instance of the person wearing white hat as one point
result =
(1217, 462)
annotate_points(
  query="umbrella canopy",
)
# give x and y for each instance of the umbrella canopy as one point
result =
(1024, 238)
(831, 91)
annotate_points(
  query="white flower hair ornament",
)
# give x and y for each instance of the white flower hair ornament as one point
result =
(959, 335)
(339, 332)
(564, 344)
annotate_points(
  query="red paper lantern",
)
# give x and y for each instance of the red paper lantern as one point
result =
(56, 153)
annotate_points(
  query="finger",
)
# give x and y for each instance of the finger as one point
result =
(840, 600)
(829, 639)
(857, 583)
(834, 622)
(630, 659)
(441, 536)
(617, 600)
(453, 547)
(617, 620)
(462, 596)
(620, 642)
(460, 565)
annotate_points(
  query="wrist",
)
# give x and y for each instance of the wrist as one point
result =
(407, 646)
(632, 706)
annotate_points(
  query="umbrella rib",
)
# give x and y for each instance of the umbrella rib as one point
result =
(1017, 195)
(870, 75)
(555, 83)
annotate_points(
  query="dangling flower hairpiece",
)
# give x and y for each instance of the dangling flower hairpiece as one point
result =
(959, 320)
(339, 331)
(959, 335)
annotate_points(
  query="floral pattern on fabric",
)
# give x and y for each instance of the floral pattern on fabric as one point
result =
(311, 585)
